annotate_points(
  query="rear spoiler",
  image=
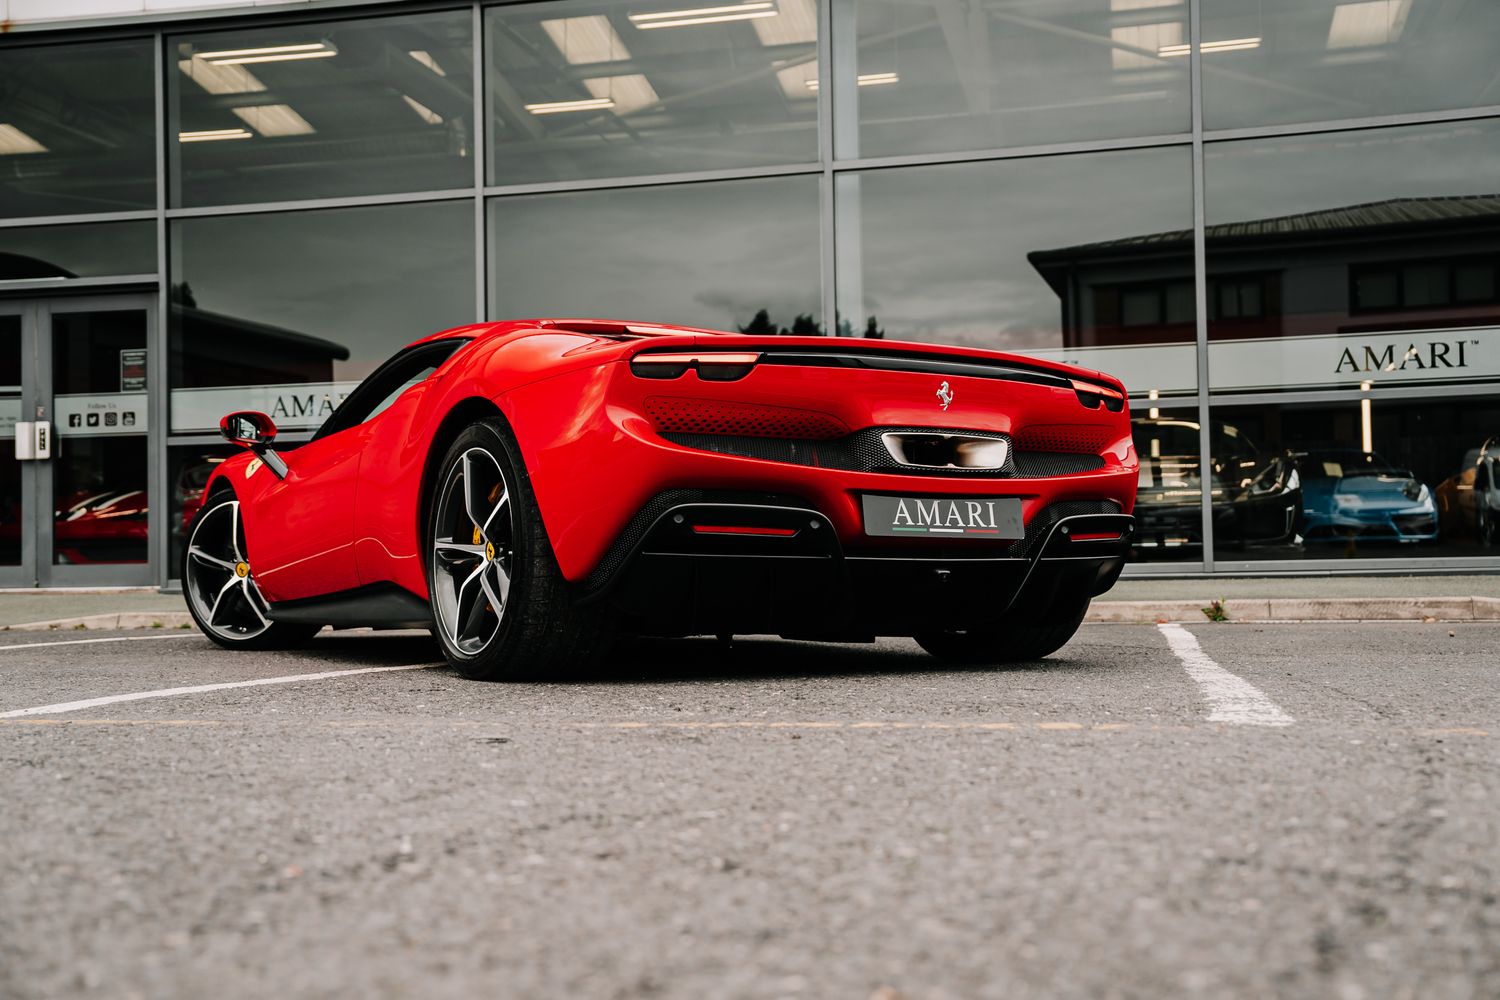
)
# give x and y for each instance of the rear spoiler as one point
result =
(731, 358)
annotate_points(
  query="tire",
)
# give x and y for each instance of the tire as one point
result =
(1012, 641)
(502, 609)
(219, 586)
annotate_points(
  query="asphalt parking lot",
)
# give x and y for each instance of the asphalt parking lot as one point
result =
(1216, 810)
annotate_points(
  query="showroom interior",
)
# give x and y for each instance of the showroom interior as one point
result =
(1278, 221)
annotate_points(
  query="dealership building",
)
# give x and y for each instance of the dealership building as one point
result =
(1278, 221)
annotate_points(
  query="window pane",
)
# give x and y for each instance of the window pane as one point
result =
(1475, 282)
(1352, 244)
(1141, 307)
(76, 128)
(295, 308)
(645, 254)
(614, 88)
(936, 75)
(1376, 290)
(1276, 61)
(318, 110)
(1425, 284)
(1375, 477)
(82, 251)
(1038, 255)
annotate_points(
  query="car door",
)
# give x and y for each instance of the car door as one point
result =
(301, 530)
(298, 530)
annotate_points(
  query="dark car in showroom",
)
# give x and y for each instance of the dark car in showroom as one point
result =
(1351, 494)
(1256, 496)
(1469, 500)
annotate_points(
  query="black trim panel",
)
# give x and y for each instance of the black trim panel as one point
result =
(378, 605)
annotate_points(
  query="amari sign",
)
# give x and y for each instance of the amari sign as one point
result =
(1432, 356)
(300, 407)
(1342, 360)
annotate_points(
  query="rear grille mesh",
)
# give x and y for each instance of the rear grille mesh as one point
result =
(680, 415)
(1068, 438)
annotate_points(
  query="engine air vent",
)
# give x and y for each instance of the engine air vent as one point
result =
(683, 415)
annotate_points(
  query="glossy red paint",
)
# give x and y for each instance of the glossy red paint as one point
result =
(349, 511)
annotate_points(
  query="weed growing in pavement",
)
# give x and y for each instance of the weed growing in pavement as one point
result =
(1216, 612)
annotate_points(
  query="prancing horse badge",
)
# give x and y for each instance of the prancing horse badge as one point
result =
(944, 395)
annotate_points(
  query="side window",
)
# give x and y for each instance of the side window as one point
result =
(390, 380)
(411, 379)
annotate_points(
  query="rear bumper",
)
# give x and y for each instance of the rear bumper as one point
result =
(595, 466)
(794, 576)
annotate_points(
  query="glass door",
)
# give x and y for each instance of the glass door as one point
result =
(93, 515)
(17, 548)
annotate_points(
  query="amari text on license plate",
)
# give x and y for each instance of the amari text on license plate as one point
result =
(976, 517)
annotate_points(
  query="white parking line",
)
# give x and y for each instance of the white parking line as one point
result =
(1231, 698)
(115, 699)
(112, 638)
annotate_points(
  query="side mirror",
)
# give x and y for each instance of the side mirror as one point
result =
(248, 429)
(256, 431)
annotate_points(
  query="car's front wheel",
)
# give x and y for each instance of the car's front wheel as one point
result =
(1484, 525)
(219, 583)
(1035, 636)
(500, 605)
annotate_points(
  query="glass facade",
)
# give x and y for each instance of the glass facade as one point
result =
(1278, 222)
(77, 128)
(322, 109)
(933, 75)
(615, 89)
(1276, 61)
(644, 254)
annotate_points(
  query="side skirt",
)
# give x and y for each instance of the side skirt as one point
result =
(378, 605)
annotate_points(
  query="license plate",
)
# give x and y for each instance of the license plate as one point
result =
(911, 517)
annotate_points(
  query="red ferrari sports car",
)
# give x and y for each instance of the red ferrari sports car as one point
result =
(527, 490)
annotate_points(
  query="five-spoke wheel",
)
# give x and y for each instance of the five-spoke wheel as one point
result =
(220, 586)
(501, 608)
(473, 551)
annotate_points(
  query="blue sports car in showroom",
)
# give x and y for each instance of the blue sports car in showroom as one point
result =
(1347, 494)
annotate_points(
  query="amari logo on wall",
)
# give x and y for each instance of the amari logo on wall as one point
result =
(301, 407)
(1433, 355)
(1383, 357)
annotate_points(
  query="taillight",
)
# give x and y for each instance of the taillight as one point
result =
(1092, 395)
(711, 366)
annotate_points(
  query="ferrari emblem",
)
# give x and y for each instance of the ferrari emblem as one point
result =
(944, 395)
(241, 569)
(489, 551)
(254, 465)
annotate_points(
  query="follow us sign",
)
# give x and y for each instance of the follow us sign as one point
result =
(99, 413)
